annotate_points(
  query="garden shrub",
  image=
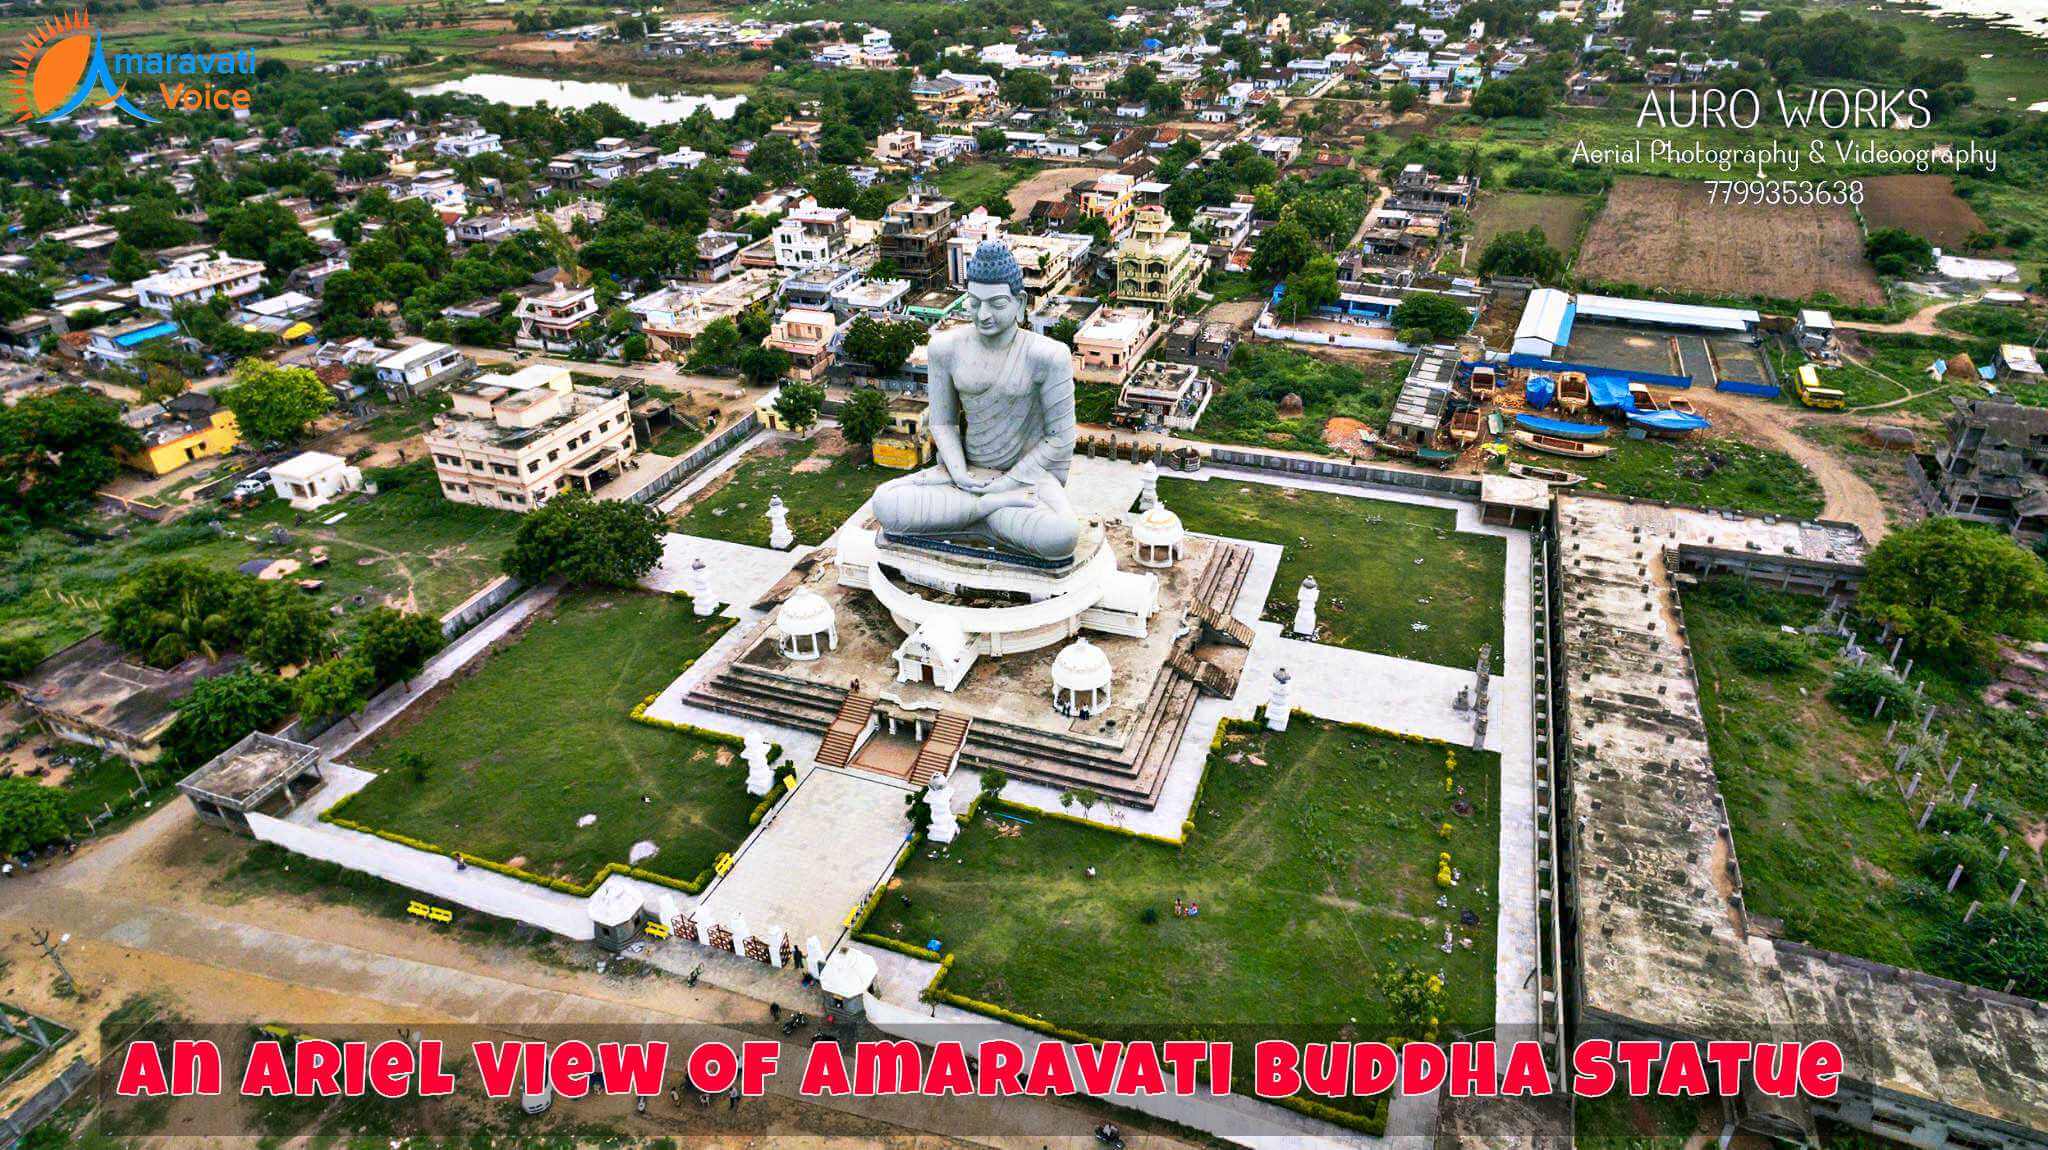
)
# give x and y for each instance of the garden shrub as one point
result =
(1856, 690)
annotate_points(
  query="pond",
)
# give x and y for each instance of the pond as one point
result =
(652, 109)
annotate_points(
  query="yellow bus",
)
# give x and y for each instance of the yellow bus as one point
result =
(1811, 393)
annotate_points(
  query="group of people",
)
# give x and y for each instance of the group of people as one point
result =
(1185, 908)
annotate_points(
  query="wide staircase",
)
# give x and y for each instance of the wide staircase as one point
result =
(941, 746)
(1221, 626)
(1203, 674)
(846, 728)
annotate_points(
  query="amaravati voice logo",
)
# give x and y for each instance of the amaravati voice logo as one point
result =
(60, 68)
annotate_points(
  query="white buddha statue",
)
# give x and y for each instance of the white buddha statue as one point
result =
(1002, 418)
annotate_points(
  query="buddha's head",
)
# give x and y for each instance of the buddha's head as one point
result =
(995, 290)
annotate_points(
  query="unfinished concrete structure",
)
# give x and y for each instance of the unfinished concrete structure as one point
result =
(1994, 467)
(1658, 941)
(262, 773)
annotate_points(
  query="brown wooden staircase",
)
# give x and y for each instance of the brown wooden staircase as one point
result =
(1205, 675)
(844, 733)
(1221, 626)
(940, 748)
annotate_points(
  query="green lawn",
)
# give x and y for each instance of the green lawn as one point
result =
(1713, 472)
(1375, 562)
(1825, 839)
(677, 439)
(542, 735)
(1312, 859)
(819, 498)
(973, 183)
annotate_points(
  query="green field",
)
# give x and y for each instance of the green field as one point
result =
(1707, 472)
(820, 490)
(1375, 562)
(1246, 409)
(1312, 860)
(542, 735)
(1826, 842)
(405, 542)
(974, 183)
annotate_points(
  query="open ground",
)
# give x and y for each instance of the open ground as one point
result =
(1664, 234)
(516, 752)
(822, 480)
(1924, 204)
(1561, 217)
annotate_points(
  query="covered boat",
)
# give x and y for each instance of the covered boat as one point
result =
(1541, 391)
(1551, 475)
(1667, 422)
(1563, 429)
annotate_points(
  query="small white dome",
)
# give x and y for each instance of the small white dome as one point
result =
(805, 612)
(1158, 527)
(1081, 667)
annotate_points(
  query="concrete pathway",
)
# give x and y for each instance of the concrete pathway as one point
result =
(739, 574)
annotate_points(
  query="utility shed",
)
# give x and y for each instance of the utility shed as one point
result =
(262, 773)
(1425, 397)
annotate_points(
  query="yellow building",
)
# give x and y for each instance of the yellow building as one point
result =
(190, 427)
(1156, 266)
(905, 446)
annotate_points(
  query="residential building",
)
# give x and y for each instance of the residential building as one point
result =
(674, 316)
(409, 371)
(1053, 263)
(814, 286)
(92, 693)
(311, 480)
(1173, 395)
(1112, 199)
(1417, 189)
(188, 427)
(881, 298)
(898, 147)
(468, 145)
(552, 321)
(806, 336)
(1155, 265)
(198, 280)
(119, 344)
(1202, 343)
(718, 253)
(1109, 344)
(914, 234)
(483, 229)
(809, 234)
(513, 441)
(1994, 467)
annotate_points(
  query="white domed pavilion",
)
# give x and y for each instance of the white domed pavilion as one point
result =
(1158, 535)
(1081, 677)
(806, 626)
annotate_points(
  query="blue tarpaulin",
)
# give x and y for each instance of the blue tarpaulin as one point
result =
(1668, 420)
(1740, 388)
(1541, 390)
(1610, 392)
(1559, 427)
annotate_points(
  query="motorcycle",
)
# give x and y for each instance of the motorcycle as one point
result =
(1110, 1136)
(793, 1022)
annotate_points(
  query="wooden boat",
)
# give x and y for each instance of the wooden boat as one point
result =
(1680, 404)
(1572, 393)
(1550, 475)
(1552, 445)
(1484, 381)
(1640, 396)
(1465, 426)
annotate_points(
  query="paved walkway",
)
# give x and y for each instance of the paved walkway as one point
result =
(739, 574)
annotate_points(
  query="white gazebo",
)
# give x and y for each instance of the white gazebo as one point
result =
(1159, 535)
(1080, 679)
(938, 652)
(805, 626)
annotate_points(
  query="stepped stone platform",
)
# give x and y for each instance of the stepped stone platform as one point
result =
(1121, 753)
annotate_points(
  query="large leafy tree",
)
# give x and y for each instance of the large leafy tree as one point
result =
(335, 688)
(31, 815)
(1431, 317)
(1284, 249)
(275, 403)
(762, 365)
(583, 540)
(863, 416)
(798, 403)
(1951, 588)
(222, 709)
(1525, 253)
(171, 609)
(882, 344)
(398, 643)
(57, 449)
(265, 230)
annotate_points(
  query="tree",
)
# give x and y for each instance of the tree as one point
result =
(275, 403)
(798, 403)
(18, 657)
(1524, 253)
(882, 344)
(1285, 249)
(776, 160)
(1951, 588)
(57, 449)
(1065, 329)
(337, 687)
(863, 416)
(1897, 252)
(220, 710)
(761, 366)
(398, 643)
(1432, 317)
(171, 609)
(126, 263)
(31, 816)
(716, 347)
(1028, 89)
(1310, 288)
(582, 540)
(1402, 97)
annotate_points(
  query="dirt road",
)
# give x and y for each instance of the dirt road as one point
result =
(1847, 497)
(146, 913)
(1919, 323)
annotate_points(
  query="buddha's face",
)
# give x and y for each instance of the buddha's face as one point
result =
(995, 309)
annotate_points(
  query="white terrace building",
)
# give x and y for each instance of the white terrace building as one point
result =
(198, 280)
(513, 441)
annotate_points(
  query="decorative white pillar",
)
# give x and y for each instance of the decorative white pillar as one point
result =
(760, 775)
(1148, 473)
(814, 956)
(939, 797)
(779, 535)
(699, 587)
(1305, 607)
(1277, 705)
(776, 936)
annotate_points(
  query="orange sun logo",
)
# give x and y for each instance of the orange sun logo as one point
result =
(59, 68)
